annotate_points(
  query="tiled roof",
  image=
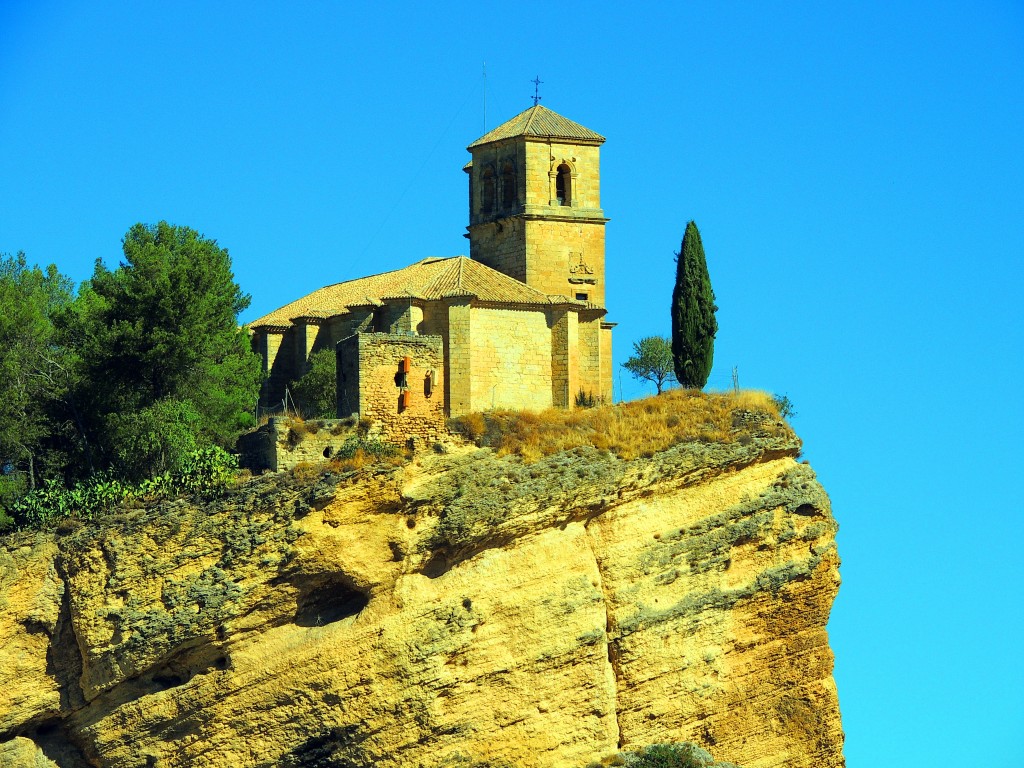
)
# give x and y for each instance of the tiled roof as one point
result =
(541, 123)
(430, 280)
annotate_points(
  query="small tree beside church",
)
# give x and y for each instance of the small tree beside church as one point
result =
(651, 361)
(693, 313)
(316, 391)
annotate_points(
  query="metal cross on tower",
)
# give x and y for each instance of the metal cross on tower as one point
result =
(536, 89)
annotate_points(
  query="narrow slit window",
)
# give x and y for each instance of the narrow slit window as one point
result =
(508, 186)
(487, 193)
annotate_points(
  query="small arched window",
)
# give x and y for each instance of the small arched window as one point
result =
(487, 191)
(508, 186)
(563, 185)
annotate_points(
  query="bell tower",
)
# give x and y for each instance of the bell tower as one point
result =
(535, 204)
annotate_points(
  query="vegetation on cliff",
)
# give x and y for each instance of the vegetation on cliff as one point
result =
(652, 361)
(685, 755)
(34, 369)
(132, 379)
(693, 313)
(627, 430)
(164, 367)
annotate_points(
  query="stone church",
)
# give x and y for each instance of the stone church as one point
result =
(519, 324)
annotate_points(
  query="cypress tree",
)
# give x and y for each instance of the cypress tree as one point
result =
(693, 313)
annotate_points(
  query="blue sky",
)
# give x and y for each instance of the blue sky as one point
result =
(856, 171)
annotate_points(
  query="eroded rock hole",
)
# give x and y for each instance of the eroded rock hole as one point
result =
(397, 553)
(335, 748)
(56, 742)
(182, 667)
(436, 566)
(328, 602)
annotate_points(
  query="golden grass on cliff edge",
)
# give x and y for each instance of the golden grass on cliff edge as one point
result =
(629, 430)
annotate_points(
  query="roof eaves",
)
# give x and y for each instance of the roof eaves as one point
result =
(404, 295)
(367, 301)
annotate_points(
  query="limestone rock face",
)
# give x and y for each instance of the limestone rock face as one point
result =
(461, 610)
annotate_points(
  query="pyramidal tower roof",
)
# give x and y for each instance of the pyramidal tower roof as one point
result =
(540, 123)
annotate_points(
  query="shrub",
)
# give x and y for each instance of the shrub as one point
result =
(471, 426)
(684, 755)
(785, 406)
(358, 451)
(154, 439)
(374, 448)
(585, 399)
(205, 473)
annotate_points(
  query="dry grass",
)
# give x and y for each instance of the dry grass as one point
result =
(630, 430)
(362, 458)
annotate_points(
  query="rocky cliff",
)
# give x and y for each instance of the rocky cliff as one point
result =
(463, 609)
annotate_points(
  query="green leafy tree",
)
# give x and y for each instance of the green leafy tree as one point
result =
(316, 393)
(165, 366)
(33, 368)
(651, 360)
(693, 313)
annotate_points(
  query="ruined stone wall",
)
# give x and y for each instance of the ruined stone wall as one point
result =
(283, 443)
(381, 386)
(510, 362)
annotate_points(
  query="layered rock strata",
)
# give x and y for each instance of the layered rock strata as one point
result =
(463, 609)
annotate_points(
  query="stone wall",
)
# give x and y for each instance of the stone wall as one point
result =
(543, 158)
(564, 357)
(283, 442)
(510, 360)
(607, 379)
(566, 258)
(369, 364)
(590, 368)
(458, 358)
